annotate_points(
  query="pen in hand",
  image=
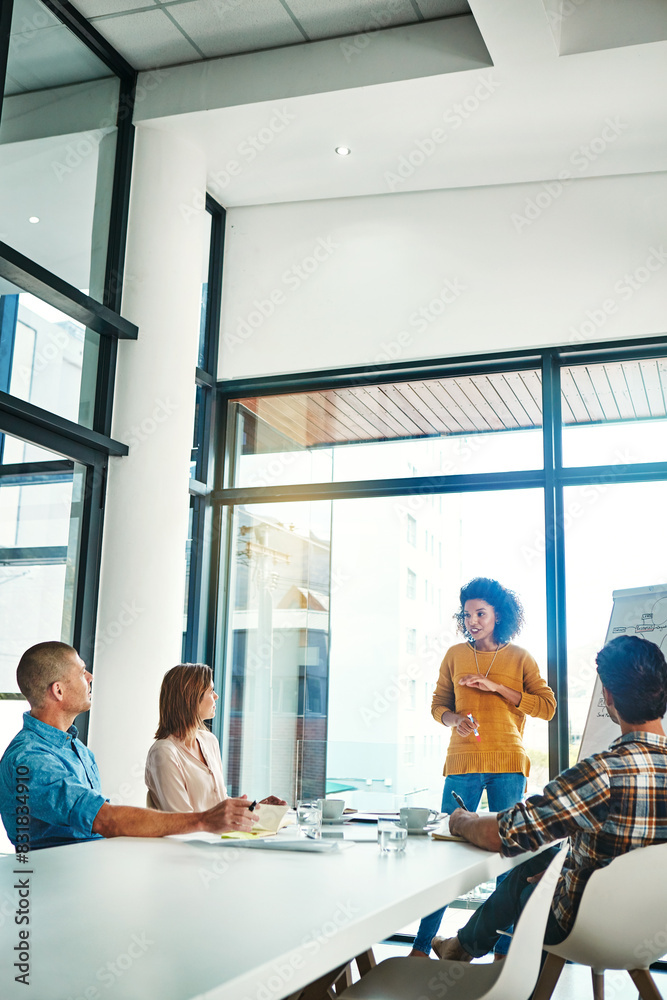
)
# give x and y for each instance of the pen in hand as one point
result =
(251, 807)
(457, 798)
(475, 730)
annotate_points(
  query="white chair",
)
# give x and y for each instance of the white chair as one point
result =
(621, 924)
(511, 979)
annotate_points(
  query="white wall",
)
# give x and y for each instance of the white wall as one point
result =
(320, 284)
(143, 559)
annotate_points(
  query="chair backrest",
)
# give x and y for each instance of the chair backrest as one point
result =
(521, 967)
(150, 801)
(622, 918)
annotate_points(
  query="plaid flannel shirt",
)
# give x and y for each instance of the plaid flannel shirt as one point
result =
(606, 804)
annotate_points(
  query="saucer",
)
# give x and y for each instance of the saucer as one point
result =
(418, 832)
(333, 822)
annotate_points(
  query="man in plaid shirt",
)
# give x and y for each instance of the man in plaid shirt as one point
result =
(606, 804)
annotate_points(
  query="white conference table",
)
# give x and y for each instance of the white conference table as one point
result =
(172, 919)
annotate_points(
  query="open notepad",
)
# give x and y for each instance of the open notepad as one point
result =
(440, 831)
(271, 819)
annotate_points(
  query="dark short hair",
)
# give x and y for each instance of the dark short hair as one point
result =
(39, 668)
(635, 672)
(183, 687)
(505, 603)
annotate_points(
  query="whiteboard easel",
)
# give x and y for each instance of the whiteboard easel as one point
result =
(639, 611)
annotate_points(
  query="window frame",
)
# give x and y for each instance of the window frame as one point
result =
(90, 447)
(552, 478)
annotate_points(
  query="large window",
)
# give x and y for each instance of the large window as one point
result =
(57, 148)
(40, 531)
(353, 507)
(197, 635)
(613, 542)
(65, 156)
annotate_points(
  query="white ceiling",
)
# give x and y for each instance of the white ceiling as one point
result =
(520, 90)
(534, 114)
(153, 33)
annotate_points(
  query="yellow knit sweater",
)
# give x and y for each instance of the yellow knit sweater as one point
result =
(500, 747)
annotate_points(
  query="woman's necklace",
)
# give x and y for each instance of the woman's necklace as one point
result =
(498, 648)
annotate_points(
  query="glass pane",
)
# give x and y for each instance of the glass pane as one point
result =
(615, 413)
(40, 524)
(449, 426)
(606, 551)
(57, 148)
(334, 657)
(278, 663)
(188, 561)
(47, 358)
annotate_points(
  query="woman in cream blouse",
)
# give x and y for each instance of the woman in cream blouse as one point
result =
(184, 767)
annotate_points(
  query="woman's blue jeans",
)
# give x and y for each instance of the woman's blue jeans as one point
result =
(502, 791)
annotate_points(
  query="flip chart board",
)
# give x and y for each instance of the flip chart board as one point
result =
(640, 611)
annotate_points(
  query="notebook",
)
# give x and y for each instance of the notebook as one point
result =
(441, 831)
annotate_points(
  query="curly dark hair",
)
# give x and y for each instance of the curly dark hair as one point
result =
(505, 603)
(635, 672)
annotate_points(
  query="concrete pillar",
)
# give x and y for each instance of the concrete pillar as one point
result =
(140, 616)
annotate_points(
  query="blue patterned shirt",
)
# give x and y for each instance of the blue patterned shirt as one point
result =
(63, 786)
(606, 804)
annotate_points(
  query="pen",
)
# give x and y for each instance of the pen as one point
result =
(251, 807)
(460, 801)
(475, 731)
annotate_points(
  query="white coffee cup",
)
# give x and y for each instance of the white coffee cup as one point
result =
(415, 818)
(332, 809)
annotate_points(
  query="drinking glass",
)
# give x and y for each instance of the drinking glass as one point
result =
(392, 838)
(309, 817)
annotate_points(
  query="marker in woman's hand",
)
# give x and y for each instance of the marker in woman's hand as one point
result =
(475, 730)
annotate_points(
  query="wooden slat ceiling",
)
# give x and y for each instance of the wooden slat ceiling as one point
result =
(625, 390)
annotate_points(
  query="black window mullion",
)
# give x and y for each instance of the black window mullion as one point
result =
(199, 639)
(89, 35)
(554, 556)
(88, 577)
(115, 263)
(6, 10)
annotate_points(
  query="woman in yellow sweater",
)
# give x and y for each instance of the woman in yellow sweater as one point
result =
(486, 688)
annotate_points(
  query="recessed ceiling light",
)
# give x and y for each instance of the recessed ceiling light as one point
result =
(33, 219)
(343, 150)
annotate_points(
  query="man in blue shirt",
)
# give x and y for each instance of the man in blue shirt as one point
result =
(49, 782)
